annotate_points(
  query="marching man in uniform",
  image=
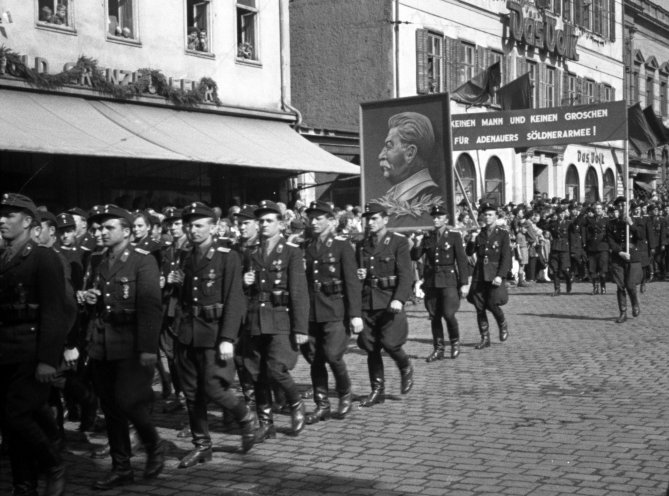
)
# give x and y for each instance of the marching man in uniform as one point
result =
(211, 306)
(492, 248)
(277, 318)
(334, 294)
(385, 270)
(446, 276)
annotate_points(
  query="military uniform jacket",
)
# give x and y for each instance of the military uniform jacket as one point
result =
(645, 235)
(445, 259)
(212, 299)
(559, 230)
(127, 317)
(664, 236)
(385, 260)
(594, 234)
(655, 225)
(153, 247)
(33, 316)
(278, 301)
(615, 233)
(576, 236)
(493, 254)
(334, 288)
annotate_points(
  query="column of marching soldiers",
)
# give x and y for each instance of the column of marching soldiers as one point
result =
(86, 317)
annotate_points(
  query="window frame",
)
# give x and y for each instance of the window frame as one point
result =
(664, 83)
(468, 69)
(209, 54)
(255, 58)
(69, 28)
(550, 87)
(440, 59)
(114, 38)
(590, 91)
(533, 70)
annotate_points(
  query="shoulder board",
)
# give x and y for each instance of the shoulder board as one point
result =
(223, 249)
(399, 234)
(142, 251)
(292, 244)
(341, 238)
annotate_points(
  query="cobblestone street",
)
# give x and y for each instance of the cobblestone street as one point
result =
(572, 404)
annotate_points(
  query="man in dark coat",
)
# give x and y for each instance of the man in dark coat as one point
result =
(446, 276)
(559, 259)
(597, 248)
(277, 318)
(334, 295)
(33, 330)
(492, 248)
(124, 301)
(385, 270)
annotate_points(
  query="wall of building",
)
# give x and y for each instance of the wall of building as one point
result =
(160, 44)
(341, 55)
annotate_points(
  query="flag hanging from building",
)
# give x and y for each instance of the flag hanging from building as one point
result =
(480, 88)
(641, 136)
(516, 95)
(660, 131)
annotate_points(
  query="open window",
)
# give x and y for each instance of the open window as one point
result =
(247, 30)
(55, 13)
(198, 31)
(121, 19)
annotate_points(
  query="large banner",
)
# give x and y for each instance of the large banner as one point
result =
(526, 128)
(406, 158)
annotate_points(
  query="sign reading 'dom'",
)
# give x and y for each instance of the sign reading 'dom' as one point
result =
(540, 127)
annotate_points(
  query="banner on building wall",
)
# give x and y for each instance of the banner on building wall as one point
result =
(527, 128)
(406, 158)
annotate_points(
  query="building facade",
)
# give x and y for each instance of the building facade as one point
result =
(647, 79)
(150, 102)
(348, 54)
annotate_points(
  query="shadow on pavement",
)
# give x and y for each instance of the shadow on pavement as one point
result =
(568, 316)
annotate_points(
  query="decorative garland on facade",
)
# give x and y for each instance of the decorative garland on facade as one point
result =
(148, 81)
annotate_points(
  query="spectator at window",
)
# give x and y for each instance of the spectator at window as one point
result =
(46, 14)
(127, 32)
(192, 41)
(61, 15)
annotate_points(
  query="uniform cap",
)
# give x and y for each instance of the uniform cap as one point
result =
(65, 220)
(297, 224)
(652, 206)
(620, 199)
(321, 207)
(438, 210)
(372, 208)
(247, 212)
(46, 216)
(78, 211)
(197, 209)
(112, 211)
(171, 213)
(487, 207)
(20, 202)
(267, 206)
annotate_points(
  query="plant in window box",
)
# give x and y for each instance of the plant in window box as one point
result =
(245, 50)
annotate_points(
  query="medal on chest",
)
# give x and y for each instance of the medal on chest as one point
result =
(212, 276)
(125, 288)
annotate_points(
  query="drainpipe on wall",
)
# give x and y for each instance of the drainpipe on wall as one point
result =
(284, 49)
(396, 39)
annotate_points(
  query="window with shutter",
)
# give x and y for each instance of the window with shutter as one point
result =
(422, 83)
(578, 12)
(567, 10)
(435, 62)
(550, 83)
(663, 95)
(580, 97)
(467, 60)
(532, 70)
(597, 16)
(452, 47)
(564, 96)
(612, 20)
(494, 57)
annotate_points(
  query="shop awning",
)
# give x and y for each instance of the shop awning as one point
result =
(643, 185)
(41, 123)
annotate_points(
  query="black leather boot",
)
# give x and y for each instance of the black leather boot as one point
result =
(503, 331)
(595, 288)
(322, 411)
(570, 281)
(622, 306)
(484, 331)
(455, 349)
(116, 478)
(55, 481)
(200, 454)
(438, 352)
(266, 428)
(406, 374)
(297, 417)
(636, 309)
(556, 287)
(345, 404)
(378, 393)
(248, 427)
(155, 460)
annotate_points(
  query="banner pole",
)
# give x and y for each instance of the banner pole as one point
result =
(464, 194)
(626, 184)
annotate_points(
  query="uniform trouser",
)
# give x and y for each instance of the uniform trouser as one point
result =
(327, 344)
(484, 296)
(598, 265)
(577, 265)
(626, 276)
(559, 263)
(166, 345)
(205, 377)
(531, 269)
(268, 359)
(658, 265)
(22, 402)
(383, 330)
(443, 303)
(124, 389)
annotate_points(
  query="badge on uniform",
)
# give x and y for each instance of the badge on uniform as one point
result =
(332, 268)
(125, 287)
(447, 245)
(495, 245)
(277, 264)
(212, 276)
(328, 243)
